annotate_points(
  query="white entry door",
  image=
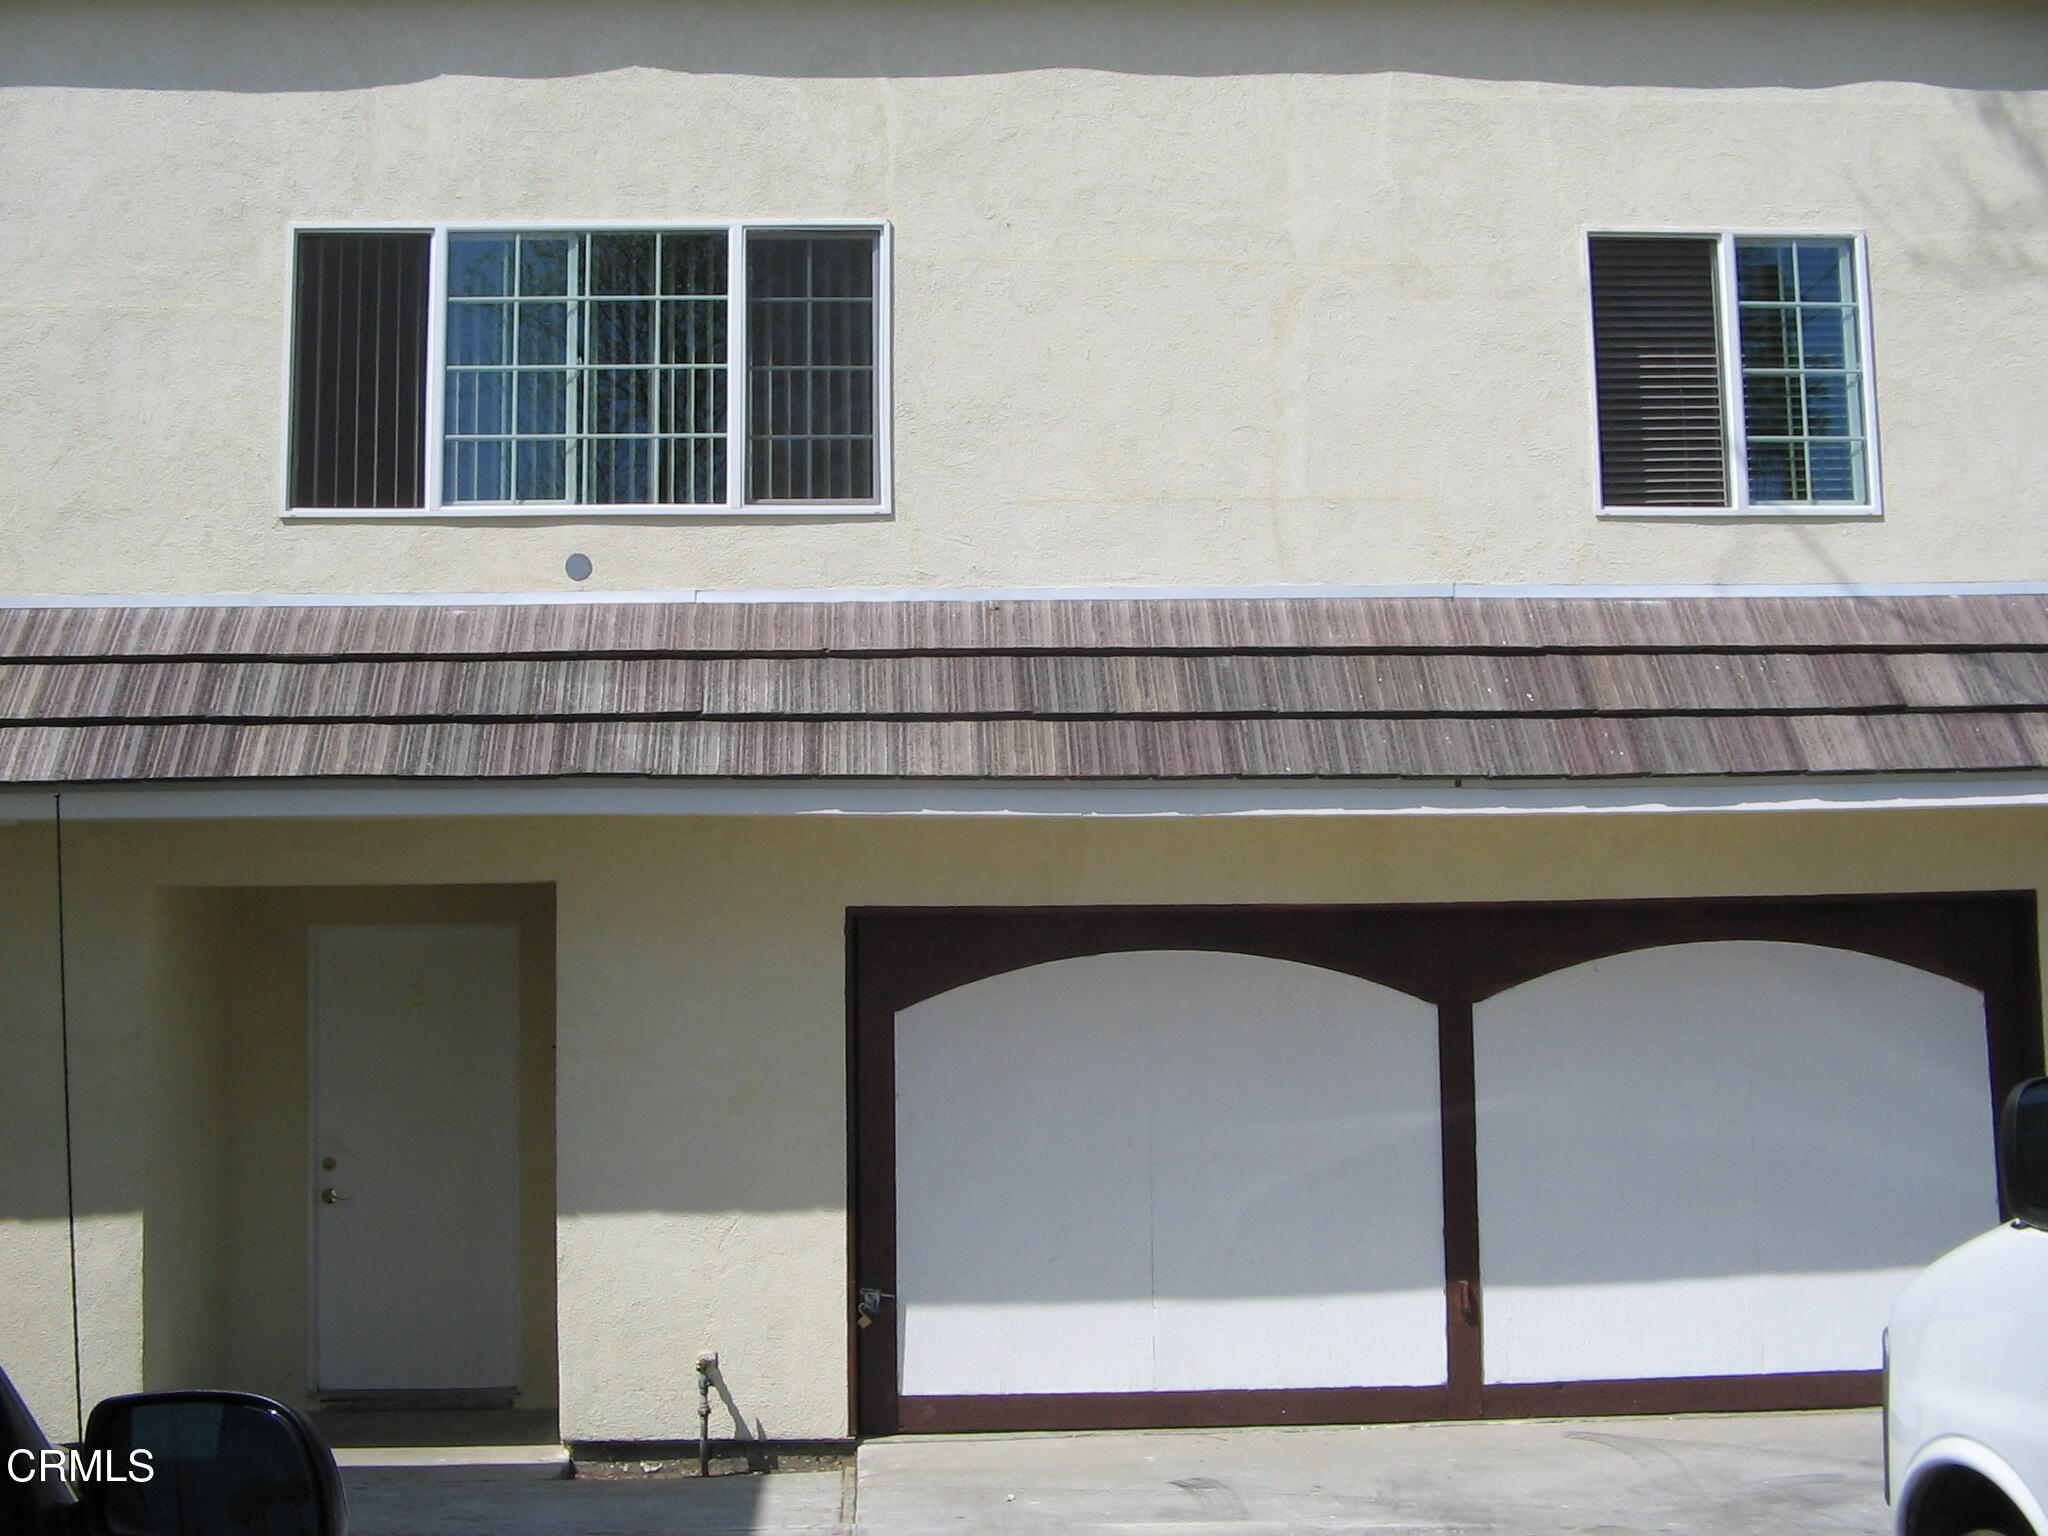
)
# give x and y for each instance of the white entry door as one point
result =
(415, 1179)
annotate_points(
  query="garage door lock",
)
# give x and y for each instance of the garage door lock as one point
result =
(1467, 1295)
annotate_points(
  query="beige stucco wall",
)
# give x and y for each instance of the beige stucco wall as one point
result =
(35, 1258)
(701, 1024)
(187, 1233)
(1206, 293)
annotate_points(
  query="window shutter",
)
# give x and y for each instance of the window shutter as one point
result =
(359, 370)
(1657, 373)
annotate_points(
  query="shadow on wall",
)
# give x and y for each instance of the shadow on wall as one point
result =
(743, 1433)
(1989, 202)
(1682, 1113)
(32, 1059)
(311, 45)
(225, 1005)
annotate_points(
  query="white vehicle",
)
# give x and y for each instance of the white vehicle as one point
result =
(1966, 1362)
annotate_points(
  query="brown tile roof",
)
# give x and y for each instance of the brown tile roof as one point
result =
(1391, 624)
(1380, 688)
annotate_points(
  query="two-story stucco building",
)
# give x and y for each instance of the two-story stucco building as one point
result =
(1030, 715)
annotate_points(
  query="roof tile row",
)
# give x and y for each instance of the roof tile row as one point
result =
(1910, 622)
(1580, 747)
(1375, 688)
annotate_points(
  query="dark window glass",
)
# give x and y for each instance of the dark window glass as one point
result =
(811, 366)
(359, 366)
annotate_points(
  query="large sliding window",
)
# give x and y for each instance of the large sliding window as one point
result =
(1732, 373)
(608, 370)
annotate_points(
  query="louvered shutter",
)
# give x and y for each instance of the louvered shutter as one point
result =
(359, 370)
(1658, 374)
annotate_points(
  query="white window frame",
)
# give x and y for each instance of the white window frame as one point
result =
(735, 505)
(1727, 319)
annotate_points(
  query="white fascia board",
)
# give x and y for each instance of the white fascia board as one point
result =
(1458, 589)
(1146, 799)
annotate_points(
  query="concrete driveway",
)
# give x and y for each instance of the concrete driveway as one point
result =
(1786, 1474)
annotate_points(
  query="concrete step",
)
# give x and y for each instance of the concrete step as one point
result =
(473, 1463)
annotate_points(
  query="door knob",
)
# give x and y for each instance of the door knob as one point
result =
(331, 1196)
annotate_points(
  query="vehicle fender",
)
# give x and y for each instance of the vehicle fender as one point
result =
(1960, 1451)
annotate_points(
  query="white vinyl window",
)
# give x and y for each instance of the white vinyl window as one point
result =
(1732, 373)
(558, 370)
(1799, 323)
(596, 368)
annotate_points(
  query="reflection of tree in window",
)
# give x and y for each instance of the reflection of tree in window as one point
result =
(586, 369)
(1802, 381)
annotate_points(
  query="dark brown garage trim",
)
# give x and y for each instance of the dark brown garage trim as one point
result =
(1686, 1394)
(1174, 1410)
(1453, 956)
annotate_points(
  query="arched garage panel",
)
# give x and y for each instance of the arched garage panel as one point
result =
(1168, 1171)
(1721, 1159)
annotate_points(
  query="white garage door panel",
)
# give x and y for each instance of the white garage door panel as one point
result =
(1168, 1171)
(1721, 1159)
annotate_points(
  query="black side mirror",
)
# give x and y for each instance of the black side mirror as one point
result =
(207, 1464)
(2023, 1151)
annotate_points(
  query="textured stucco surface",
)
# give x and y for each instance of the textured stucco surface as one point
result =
(700, 1033)
(1210, 294)
(35, 1257)
(188, 1233)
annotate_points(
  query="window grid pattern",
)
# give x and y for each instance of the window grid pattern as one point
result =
(1802, 377)
(586, 368)
(811, 366)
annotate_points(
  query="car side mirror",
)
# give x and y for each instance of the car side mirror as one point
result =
(2023, 1151)
(206, 1464)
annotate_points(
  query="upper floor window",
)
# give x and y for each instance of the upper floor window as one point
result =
(1731, 373)
(594, 370)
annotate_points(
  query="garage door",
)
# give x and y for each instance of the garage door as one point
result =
(1721, 1159)
(1153, 1167)
(1168, 1173)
